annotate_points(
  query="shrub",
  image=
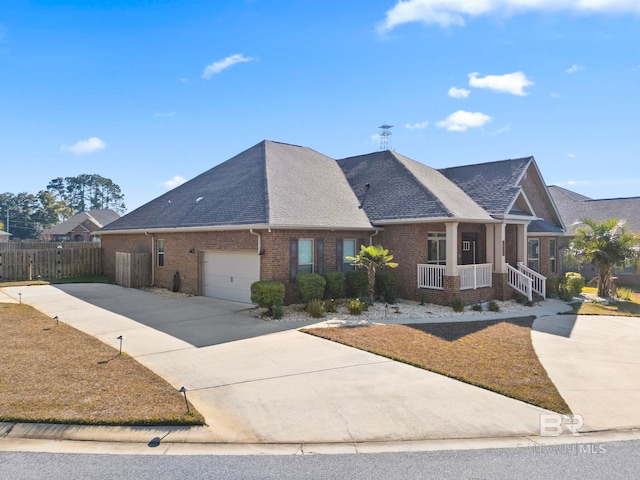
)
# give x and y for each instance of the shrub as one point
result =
(552, 286)
(334, 285)
(330, 306)
(520, 298)
(575, 284)
(356, 306)
(356, 283)
(477, 307)
(572, 274)
(624, 293)
(493, 306)
(267, 294)
(387, 286)
(277, 312)
(563, 291)
(315, 308)
(310, 286)
(457, 304)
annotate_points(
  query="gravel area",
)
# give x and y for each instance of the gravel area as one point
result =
(384, 313)
(165, 292)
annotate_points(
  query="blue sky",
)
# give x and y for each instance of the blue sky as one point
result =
(150, 92)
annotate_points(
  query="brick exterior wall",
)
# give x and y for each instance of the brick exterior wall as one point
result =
(274, 263)
(407, 243)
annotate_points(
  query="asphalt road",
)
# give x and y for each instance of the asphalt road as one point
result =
(615, 460)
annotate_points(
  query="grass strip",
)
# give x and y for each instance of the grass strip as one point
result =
(497, 355)
(57, 374)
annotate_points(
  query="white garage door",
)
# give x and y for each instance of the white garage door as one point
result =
(229, 275)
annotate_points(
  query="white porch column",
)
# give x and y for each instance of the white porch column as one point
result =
(499, 248)
(489, 244)
(522, 243)
(451, 269)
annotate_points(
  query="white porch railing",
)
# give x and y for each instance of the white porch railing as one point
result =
(475, 276)
(431, 276)
(538, 282)
(520, 282)
(471, 276)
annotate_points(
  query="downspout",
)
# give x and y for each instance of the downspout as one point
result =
(153, 259)
(259, 240)
(373, 235)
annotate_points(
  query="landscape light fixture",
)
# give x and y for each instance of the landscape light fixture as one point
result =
(120, 337)
(183, 390)
(56, 319)
(20, 297)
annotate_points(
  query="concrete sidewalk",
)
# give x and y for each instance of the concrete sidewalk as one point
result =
(291, 388)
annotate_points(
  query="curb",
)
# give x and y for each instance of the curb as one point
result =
(52, 438)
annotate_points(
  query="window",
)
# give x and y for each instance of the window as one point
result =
(305, 255)
(437, 248)
(348, 250)
(533, 254)
(552, 256)
(160, 248)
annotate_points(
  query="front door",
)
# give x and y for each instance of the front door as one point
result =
(469, 248)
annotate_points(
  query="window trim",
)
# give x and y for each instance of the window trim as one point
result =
(348, 265)
(437, 237)
(533, 259)
(312, 255)
(160, 252)
(553, 255)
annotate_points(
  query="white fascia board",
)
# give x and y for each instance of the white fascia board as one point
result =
(224, 228)
(405, 221)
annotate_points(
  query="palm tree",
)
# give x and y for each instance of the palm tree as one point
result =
(372, 258)
(605, 245)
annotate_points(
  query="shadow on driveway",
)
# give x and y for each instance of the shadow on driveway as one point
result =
(200, 321)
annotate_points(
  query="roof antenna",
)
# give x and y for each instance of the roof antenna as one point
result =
(385, 137)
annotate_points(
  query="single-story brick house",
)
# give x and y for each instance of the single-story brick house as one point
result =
(276, 210)
(81, 227)
(574, 207)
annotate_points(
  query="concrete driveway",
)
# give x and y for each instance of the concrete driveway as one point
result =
(199, 321)
(283, 386)
(594, 361)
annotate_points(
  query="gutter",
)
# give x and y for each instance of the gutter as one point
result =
(223, 228)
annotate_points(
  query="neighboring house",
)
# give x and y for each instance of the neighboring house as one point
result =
(82, 227)
(4, 236)
(277, 210)
(574, 207)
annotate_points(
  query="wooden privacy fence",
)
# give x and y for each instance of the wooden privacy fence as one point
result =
(133, 270)
(29, 260)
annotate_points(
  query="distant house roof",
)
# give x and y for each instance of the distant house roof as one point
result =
(270, 184)
(493, 185)
(392, 187)
(574, 207)
(97, 218)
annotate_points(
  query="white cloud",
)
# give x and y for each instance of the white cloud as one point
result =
(555, 95)
(446, 13)
(575, 68)
(90, 145)
(174, 182)
(571, 155)
(220, 65)
(461, 121)
(513, 83)
(455, 92)
(417, 126)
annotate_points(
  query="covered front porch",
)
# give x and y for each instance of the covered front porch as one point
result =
(480, 263)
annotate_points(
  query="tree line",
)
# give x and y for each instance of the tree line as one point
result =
(26, 215)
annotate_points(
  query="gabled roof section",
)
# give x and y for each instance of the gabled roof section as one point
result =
(492, 185)
(574, 207)
(99, 218)
(392, 187)
(306, 188)
(270, 184)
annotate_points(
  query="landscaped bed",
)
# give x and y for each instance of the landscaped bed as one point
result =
(57, 374)
(494, 354)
